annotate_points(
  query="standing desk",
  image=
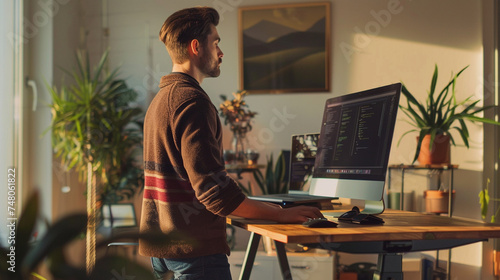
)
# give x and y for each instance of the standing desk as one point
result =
(402, 232)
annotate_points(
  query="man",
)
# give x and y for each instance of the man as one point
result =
(187, 189)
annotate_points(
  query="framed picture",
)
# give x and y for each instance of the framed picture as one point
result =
(285, 48)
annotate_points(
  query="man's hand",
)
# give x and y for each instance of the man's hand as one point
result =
(252, 209)
(299, 214)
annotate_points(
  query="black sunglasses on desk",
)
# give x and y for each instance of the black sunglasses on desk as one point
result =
(356, 217)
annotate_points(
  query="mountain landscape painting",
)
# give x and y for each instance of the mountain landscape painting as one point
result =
(285, 48)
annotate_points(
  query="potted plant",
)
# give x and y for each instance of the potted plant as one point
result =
(434, 119)
(97, 132)
(236, 113)
(437, 201)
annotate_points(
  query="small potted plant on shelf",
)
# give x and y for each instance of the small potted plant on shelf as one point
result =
(437, 201)
(437, 116)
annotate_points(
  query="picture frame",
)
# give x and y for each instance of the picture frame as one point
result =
(285, 48)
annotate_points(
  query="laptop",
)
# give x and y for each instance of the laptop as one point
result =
(301, 167)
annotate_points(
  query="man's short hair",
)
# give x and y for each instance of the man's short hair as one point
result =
(185, 25)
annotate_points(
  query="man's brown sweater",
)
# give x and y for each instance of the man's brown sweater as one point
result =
(187, 189)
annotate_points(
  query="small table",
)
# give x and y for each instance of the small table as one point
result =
(239, 168)
(402, 232)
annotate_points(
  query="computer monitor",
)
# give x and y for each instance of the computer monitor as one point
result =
(354, 146)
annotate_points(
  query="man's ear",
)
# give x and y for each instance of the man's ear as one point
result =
(194, 47)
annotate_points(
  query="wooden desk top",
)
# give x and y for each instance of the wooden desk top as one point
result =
(399, 225)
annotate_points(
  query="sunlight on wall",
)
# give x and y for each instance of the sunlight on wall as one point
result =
(387, 60)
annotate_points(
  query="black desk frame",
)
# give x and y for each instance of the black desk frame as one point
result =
(389, 261)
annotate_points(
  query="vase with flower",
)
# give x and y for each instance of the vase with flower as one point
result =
(237, 115)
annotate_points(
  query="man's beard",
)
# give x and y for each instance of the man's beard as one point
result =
(210, 67)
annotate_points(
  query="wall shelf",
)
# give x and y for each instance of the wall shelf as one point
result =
(433, 167)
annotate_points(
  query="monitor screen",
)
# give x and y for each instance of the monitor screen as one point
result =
(354, 144)
(302, 158)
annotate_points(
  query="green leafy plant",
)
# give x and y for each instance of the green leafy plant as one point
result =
(274, 179)
(236, 113)
(93, 123)
(484, 201)
(441, 112)
(97, 133)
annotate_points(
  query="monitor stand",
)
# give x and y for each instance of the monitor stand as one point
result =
(371, 207)
(374, 207)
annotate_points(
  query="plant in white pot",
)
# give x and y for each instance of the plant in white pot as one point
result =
(435, 118)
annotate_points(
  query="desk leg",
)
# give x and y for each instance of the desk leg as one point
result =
(390, 267)
(283, 260)
(253, 245)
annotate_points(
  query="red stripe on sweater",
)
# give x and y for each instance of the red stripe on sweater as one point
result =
(167, 183)
(168, 197)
